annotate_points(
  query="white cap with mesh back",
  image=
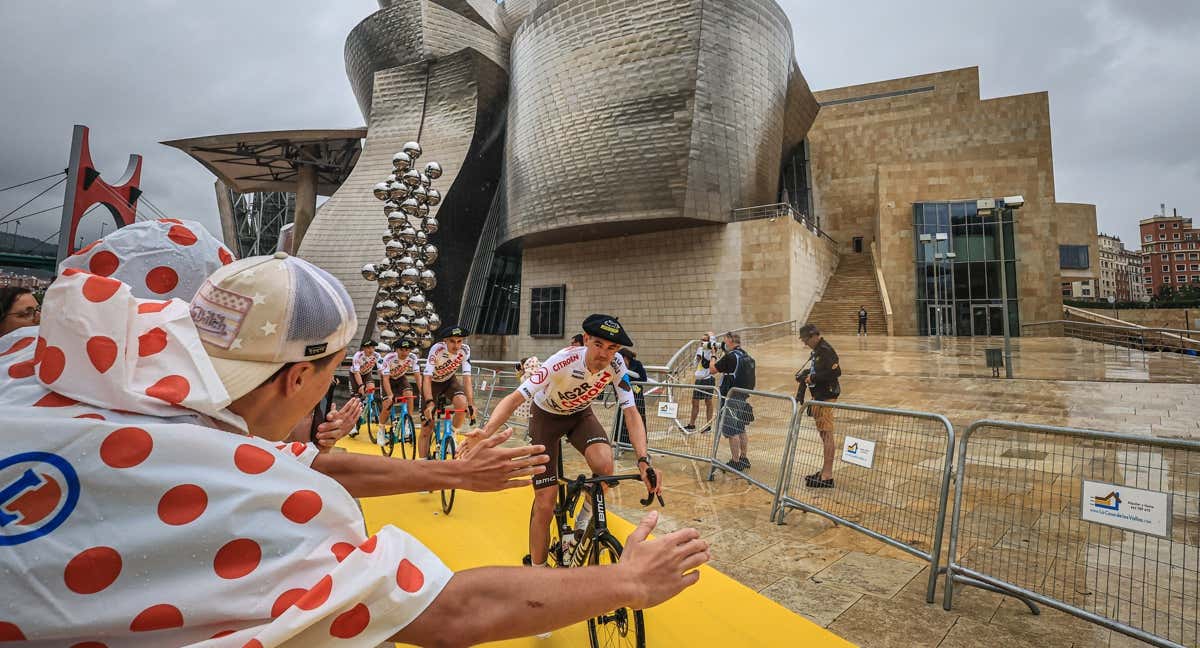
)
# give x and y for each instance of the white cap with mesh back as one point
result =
(260, 313)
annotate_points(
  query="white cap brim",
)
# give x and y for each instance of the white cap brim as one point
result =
(241, 377)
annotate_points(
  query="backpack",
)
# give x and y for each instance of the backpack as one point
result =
(743, 374)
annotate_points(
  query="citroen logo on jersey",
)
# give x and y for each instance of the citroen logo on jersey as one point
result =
(38, 492)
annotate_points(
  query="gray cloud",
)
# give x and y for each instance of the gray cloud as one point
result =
(1121, 75)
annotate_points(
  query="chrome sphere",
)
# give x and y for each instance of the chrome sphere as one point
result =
(396, 222)
(435, 321)
(411, 149)
(369, 272)
(423, 210)
(410, 206)
(420, 325)
(387, 309)
(383, 349)
(425, 181)
(408, 277)
(420, 194)
(408, 234)
(401, 293)
(412, 178)
(386, 237)
(427, 280)
(421, 238)
(403, 324)
(418, 303)
(390, 206)
(389, 278)
(388, 335)
(381, 191)
(391, 178)
(433, 170)
(434, 197)
(394, 249)
(398, 191)
(405, 261)
(426, 340)
(430, 225)
(402, 161)
(419, 264)
(430, 252)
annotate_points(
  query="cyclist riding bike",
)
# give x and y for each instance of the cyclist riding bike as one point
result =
(562, 390)
(363, 366)
(448, 361)
(395, 369)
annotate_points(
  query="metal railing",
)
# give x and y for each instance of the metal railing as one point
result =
(1140, 338)
(1099, 525)
(779, 210)
(891, 471)
(663, 410)
(769, 422)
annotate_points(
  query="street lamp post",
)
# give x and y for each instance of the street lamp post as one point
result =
(998, 207)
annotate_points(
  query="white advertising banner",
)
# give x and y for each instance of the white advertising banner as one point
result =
(1127, 508)
(668, 410)
(859, 452)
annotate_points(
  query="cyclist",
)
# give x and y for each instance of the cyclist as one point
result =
(395, 370)
(364, 364)
(448, 359)
(562, 390)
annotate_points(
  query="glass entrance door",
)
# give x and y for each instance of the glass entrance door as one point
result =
(941, 320)
(987, 319)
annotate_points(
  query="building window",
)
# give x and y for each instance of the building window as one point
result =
(1163, 247)
(1177, 246)
(1162, 226)
(1180, 257)
(1073, 257)
(1175, 236)
(1195, 278)
(1166, 268)
(547, 306)
(1180, 267)
(1162, 237)
(1187, 237)
(1148, 280)
(1174, 225)
(1166, 280)
(1149, 238)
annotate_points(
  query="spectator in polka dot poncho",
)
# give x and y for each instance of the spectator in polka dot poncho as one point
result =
(142, 523)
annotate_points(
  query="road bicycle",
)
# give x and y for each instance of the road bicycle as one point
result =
(402, 430)
(442, 447)
(595, 545)
(370, 413)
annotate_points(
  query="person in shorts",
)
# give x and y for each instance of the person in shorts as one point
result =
(822, 381)
(446, 380)
(394, 371)
(704, 379)
(363, 366)
(738, 369)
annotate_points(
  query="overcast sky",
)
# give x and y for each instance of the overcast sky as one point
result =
(1122, 75)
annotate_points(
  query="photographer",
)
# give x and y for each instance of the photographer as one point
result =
(739, 371)
(822, 380)
(704, 378)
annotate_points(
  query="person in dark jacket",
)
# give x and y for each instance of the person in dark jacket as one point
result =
(637, 375)
(862, 320)
(822, 381)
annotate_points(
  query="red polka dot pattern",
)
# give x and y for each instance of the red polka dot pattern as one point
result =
(253, 643)
(237, 558)
(252, 460)
(103, 263)
(52, 364)
(152, 307)
(172, 389)
(301, 506)
(181, 235)
(126, 447)
(225, 256)
(369, 545)
(22, 370)
(182, 504)
(40, 349)
(316, 596)
(152, 342)
(18, 345)
(100, 289)
(91, 416)
(92, 570)
(351, 623)
(409, 577)
(223, 633)
(102, 351)
(171, 220)
(54, 399)
(89, 644)
(10, 632)
(341, 550)
(157, 617)
(162, 280)
(287, 600)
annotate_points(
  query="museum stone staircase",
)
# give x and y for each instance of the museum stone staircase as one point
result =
(851, 286)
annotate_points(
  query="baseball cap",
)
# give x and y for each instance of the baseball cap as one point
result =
(404, 344)
(260, 313)
(606, 327)
(157, 259)
(452, 330)
(368, 343)
(809, 330)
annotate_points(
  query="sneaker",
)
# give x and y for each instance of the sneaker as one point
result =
(527, 561)
(815, 481)
(745, 461)
(690, 427)
(734, 464)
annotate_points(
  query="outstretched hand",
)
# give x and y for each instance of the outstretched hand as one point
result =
(487, 467)
(339, 422)
(663, 567)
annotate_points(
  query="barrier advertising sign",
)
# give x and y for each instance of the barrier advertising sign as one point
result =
(859, 452)
(668, 410)
(1127, 508)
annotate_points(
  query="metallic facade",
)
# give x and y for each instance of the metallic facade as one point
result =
(606, 118)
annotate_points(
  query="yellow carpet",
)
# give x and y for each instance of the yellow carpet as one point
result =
(492, 529)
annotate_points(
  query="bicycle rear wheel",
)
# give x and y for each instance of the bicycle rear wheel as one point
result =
(368, 413)
(448, 453)
(388, 436)
(407, 435)
(623, 627)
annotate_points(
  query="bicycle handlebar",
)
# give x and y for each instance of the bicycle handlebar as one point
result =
(613, 480)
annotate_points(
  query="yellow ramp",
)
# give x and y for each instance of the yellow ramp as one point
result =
(492, 529)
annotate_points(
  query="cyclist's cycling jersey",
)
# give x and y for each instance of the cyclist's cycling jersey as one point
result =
(441, 365)
(394, 367)
(563, 384)
(363, 363)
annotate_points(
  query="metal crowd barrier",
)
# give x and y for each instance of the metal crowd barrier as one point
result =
(482, 380)
(769, 422)
(666, 413)
(891, 472)
(1099, 525)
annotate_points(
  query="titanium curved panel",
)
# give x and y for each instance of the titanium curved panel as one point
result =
(648, 114)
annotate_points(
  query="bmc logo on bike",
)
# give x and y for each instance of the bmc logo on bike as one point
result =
(38, 492)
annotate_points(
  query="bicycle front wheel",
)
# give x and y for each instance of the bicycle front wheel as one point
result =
(623, 627)
(408, 437)
(448, 453)
(369, 413)
(388, 437)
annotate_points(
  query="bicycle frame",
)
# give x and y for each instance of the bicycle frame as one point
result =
(443, 430)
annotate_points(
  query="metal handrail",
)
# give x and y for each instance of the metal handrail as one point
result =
(778, 210)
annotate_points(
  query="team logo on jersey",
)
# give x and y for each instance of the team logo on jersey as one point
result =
(577, 374)
(38, 492)
(562, 363)
(538, 377)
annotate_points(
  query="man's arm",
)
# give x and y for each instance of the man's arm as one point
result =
(493, 603)
(469, 386)
(488, 468)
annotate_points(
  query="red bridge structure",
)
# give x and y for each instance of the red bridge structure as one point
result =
(85, 188)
